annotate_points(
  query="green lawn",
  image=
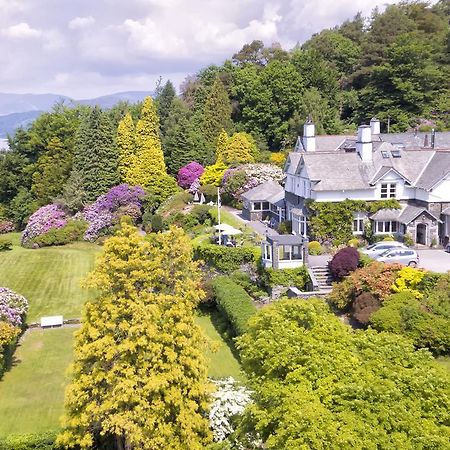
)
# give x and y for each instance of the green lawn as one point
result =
(32, 392)
(221, 360)
(48, 277)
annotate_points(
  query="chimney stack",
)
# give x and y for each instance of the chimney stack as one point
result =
(364, 143)
(375, 126)
(309, 135)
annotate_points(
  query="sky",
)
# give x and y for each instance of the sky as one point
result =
(88, 48)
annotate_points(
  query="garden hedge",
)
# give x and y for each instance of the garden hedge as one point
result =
(43, 441)
(226, 259)
(286, 277)
(234, 303)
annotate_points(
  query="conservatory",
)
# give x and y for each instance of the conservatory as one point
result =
(283, 251)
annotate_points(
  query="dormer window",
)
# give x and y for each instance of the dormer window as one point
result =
(388, 190)
(385, 154)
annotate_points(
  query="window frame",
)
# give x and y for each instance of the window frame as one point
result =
(388, 190)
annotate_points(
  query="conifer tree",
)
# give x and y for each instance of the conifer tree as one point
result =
(216, 114)
(53, 169)
(96, 154)
(126, 145)
(239, 150)
(165, 104)
(222, 142)
(139, 375)
(148, 168)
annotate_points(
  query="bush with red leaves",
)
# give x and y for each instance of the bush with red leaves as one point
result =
(344, 262)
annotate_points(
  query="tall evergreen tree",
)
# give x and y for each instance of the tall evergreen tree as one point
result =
(127, 146)
(165, 103)
(148, 168)
(216, 114)
(139, 374)
(96, 154)
(222, 142)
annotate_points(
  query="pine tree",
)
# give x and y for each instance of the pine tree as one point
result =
(216, 114)
(239, 150)
(165, 104)
(139, 375)
(96, 154)
(126, 145)
(53, 170)
(222, 142)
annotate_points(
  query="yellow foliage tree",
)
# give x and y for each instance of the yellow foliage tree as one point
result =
(407, 281)
(222, 142)
(139, 376)
(213, 174)
(127, 147)
(240, 149)
(278, 158)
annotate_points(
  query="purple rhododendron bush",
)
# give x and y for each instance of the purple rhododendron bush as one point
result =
(106, 211)
(189, 173)
(13, 307)
(6, 226)
(43, 220)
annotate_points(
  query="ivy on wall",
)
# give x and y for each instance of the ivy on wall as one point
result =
(332, 221)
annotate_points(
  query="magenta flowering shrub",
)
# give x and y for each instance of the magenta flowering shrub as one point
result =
(108, 208)
(189, 173)
(44, 219)
(6, 226)
(13, 307)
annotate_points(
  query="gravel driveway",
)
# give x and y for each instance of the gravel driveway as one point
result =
(434, 260)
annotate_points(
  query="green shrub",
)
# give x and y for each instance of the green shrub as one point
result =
(226, 259)
(234, 303)
(5, 244)
(314, 248)
(364, 260)
(71, 232)
(201, 213)
(408, 240)
(251, 286)
(43, 441)
(157, 223)
(389, 238)
(286, 277)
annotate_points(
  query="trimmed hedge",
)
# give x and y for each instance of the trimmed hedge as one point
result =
(226, 259)
(43, 441)
(234, 303)
(286, 277)
(5, 244)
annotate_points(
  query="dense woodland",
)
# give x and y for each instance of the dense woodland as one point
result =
(394, 64)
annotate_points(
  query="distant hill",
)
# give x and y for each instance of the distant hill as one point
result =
(10, 122)
(21, 109)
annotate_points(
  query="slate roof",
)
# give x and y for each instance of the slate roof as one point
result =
(285, 239)
(412, 212)
(386, 214)
(326, 143)
(268, 191)
(446, 211)
(417, 140)
(436, 170)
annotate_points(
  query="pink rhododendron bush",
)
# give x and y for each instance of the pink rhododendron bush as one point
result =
(189, 173)
(240, 179)
(6, 226)
(43, 220)
(105, 212)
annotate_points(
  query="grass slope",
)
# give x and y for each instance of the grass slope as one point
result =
(32, 392)
(222, 362)
(49, 277)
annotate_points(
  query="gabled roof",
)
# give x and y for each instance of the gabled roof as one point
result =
(436, 170)
(414, 140)
(268, 191)
(386, 214)
(412, 212)
(292, 162)
(384, 170)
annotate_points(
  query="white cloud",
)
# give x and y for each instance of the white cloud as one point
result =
(21, 31)
(81, 22)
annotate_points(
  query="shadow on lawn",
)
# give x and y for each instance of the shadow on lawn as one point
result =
(221, 325)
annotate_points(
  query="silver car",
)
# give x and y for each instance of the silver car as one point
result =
(406, 256)
(378, 248)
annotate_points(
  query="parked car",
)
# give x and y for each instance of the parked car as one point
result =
(447, 248)
(376, 249)
(406, 256)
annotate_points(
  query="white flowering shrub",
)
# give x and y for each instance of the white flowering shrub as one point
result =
(229, 400)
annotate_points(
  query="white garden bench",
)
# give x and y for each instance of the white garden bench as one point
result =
(52, 321)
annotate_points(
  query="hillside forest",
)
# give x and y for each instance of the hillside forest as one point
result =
(393, 65)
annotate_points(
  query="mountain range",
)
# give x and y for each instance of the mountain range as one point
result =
(21, 109)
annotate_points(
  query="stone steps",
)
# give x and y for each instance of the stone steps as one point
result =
(323, 277)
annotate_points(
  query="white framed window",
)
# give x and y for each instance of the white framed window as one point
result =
(268, 252)
(289, 252)
(358, 223)
(388, 190)
(261, 206)
(386, 226)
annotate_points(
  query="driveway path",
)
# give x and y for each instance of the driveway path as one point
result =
(434, 260)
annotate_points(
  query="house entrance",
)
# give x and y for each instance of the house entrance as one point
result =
(421, 234)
